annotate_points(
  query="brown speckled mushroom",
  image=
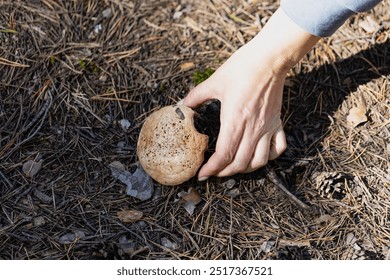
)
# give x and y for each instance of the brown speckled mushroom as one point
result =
(170, 149)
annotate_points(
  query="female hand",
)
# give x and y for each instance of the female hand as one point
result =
(250, 87)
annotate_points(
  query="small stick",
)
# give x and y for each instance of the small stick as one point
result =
(271, 175)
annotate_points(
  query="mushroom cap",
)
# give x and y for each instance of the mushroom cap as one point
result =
(169, 148)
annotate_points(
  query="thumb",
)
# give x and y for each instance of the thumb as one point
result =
(198, 95)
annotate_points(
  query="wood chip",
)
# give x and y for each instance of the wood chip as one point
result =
(187, 66)
(129, 216)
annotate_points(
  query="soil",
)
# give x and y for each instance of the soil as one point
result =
(72, 72)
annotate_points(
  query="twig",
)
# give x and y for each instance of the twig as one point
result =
(4, 61)
(271, 175)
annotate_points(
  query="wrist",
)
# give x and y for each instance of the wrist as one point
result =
(282, 43)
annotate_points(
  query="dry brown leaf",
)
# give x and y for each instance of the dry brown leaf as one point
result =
(192, 196)
(357, 114)
(187, 66)
(129, 216)
(190, 199)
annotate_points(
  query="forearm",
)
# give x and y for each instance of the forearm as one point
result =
(281, 43)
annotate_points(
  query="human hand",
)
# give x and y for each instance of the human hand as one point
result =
(251, 129)
(250, 87)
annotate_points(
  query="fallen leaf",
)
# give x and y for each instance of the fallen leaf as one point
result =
(139, 184)
(233, 192)
(71, 237)
(229, 184)
(127, 246)
(169, 244)
(190, 199)
(267, 246)
(351, 239)
(357, 114)
(129, 216)
(31, 168)
(192, 196)
(324, 219)
(369, 24)
(187, 66)
(125, 124)
(39, 221)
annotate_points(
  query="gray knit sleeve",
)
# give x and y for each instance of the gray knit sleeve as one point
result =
(323, 17)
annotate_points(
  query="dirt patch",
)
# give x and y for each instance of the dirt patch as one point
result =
(72, 73)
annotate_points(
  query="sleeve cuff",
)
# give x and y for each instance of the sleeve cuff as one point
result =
(323, 18)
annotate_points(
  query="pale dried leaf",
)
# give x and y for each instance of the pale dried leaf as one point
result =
(39, 221)
(169, 244)
(229, 184)
(369, 24)
(107, 13)
(125, 124)
(117, 165)
(351, 239)
(357, 114)
(69, 238)
(356, 247)
(233, 192)
(129, 216)
(127, 246)
(189, 206)
(139, 184)
(324, 219)
(31, 168)
(266, 247)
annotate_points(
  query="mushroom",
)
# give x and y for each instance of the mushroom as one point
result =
(169, 148)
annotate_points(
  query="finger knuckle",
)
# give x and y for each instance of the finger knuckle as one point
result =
(239, 167)
(224, 156)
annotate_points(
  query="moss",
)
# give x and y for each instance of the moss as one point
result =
(52, 60)
(200, 76)
(88, 66)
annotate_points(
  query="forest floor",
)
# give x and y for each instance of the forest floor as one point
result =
(77, 80)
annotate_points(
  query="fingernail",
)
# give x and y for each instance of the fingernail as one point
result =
(201, 179)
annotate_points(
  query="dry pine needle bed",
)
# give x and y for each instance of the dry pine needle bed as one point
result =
(77, 80)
